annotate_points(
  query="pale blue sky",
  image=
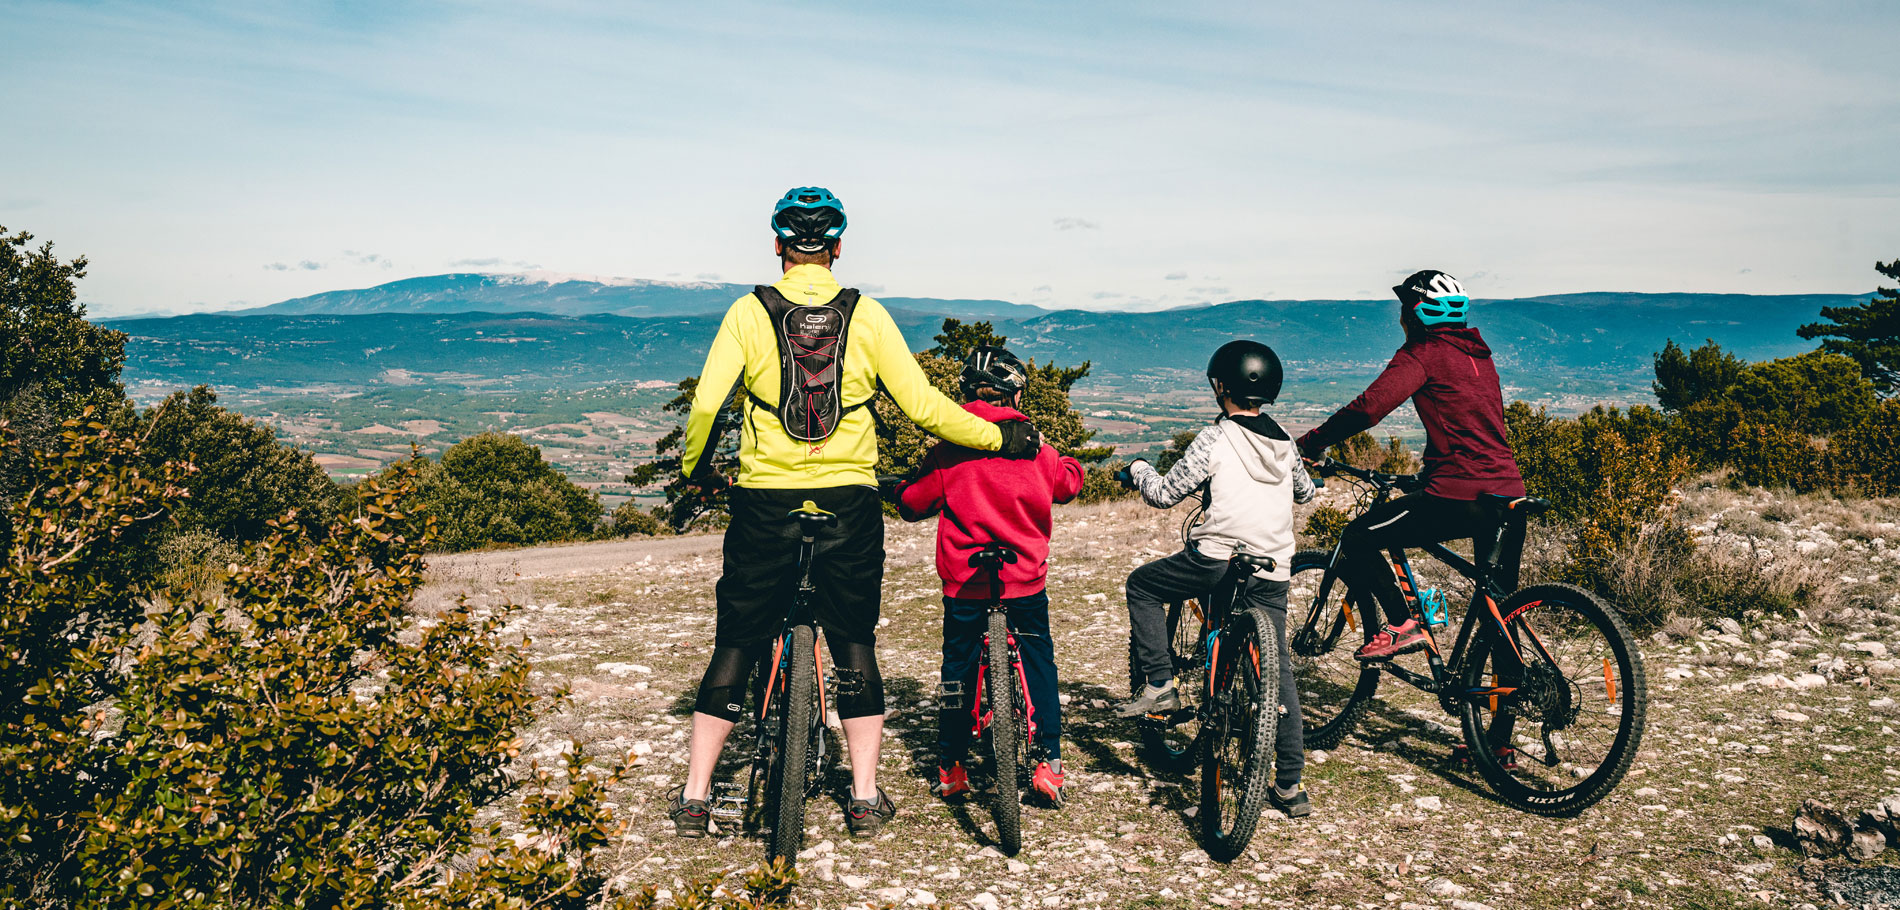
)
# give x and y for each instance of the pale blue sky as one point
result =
(207, 155)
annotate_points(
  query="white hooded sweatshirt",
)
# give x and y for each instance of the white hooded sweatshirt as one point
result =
(1253, 475)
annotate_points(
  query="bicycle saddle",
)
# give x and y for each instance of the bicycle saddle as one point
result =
(993, 555)
(1263, 563)
(811, 518)
(1517, 506)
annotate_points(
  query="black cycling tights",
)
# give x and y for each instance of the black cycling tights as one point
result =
(1408, 521)
(860, 690)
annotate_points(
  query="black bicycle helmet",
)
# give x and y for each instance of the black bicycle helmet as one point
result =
(993, 366)
(1246, 369)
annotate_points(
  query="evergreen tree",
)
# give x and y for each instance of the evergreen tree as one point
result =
(1869, 332)
(1685, 378)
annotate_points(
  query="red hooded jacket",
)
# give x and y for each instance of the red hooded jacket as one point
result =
(1450, 378)
(986, 498)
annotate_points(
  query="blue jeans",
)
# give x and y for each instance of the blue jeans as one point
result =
(964, 622)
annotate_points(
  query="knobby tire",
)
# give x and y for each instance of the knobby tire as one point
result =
(1247, 717)
(1328, 725)
(1006, 737)
(792, 756)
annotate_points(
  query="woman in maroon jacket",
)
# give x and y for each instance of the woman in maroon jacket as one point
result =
(1445, 368)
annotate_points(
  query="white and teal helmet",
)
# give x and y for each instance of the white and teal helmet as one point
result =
(1435, 298)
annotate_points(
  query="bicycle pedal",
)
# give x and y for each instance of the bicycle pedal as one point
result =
(728, 801)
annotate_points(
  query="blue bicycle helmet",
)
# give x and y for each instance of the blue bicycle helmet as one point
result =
(1435, 298)
(809, 219)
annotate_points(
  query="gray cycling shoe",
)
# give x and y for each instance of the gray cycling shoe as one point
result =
(1153, 700)
(690, 816)
(866, 817)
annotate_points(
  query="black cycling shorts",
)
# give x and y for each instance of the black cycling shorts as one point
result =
(761, 559)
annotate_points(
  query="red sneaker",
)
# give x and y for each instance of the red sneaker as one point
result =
(952, 782)
(1393, 641)
(1048, 782)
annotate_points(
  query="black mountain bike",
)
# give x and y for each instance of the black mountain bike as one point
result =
(1227, 670)
(1000, 712)
(792, 755)
(1547, 681)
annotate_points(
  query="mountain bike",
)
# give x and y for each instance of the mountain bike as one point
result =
(793, 754)
(1226, 661)
(1001, 714)
(1546, 681)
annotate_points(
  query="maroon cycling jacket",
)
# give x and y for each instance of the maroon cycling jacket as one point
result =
(1450, 378)
(986, 498)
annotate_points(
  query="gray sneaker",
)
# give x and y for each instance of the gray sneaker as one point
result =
(1154, 700)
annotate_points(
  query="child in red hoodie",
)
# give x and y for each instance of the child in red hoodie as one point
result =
(985, 499)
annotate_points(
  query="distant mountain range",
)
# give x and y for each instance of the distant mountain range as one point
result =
(489, 330)
(571, 295)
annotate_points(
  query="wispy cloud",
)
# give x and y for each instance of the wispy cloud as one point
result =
(489, 262)
(1174, 276)
(1076, 224)
(307, 265)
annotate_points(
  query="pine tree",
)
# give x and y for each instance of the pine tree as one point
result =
(1868, 332)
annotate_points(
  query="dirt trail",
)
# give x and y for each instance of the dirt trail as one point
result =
(1700, 822)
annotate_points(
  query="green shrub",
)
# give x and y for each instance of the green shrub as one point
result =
(1866, 457)
(1816, 392)
(300, 741)
(1177, 446)
(495, 489)
(245, 478)
(1361, 450)
(192, 563)
(630, 520)
(1768, 455)
(1324, 526)
(1685, 379)
(1099, 484)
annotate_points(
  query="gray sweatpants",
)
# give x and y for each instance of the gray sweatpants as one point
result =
(1189, 574)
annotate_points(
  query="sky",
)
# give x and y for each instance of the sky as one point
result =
(209, 156)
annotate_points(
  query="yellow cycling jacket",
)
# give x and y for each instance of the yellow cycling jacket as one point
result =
(747, 347)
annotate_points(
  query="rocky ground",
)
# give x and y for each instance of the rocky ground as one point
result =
(1746, 720)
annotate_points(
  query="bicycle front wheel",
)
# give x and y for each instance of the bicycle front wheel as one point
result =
(1237, 764)
(1170, 741)
(1006, 736)
(1553, 715)
(788, 781)
(1335, 687)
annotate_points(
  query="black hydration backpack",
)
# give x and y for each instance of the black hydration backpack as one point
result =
(811, 346)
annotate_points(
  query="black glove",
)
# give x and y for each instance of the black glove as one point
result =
(711, 482)
(1021, 439)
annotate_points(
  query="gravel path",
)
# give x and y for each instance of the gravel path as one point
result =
(1739, 732)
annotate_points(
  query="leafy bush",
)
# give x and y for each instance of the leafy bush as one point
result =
(1099, 484)
(191, 563)
(1362, 451)
(301, 741)
(1816, 392)
(1685, 379)
(1324, 526)
(1609, 476)
(53, 363)
(1769, 455)
(629, 519)
(1866, 456)
(1177, 446)
(495, 489)
(245, 478)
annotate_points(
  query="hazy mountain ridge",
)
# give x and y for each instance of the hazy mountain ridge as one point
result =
(569, 295)
(1542, 343)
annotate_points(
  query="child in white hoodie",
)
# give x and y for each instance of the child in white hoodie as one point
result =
(1253, 475)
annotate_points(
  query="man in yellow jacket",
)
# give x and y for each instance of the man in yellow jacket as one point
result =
(811, 355)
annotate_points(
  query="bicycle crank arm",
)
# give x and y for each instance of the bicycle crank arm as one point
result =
(1417, 680)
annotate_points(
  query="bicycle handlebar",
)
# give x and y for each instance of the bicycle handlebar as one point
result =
(1380, 479)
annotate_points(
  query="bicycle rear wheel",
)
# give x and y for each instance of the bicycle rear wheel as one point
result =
(1563, 701)
(1237, 758)
(1335, 688)
(1170, 742)
(788, 782)
(1006, 736)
